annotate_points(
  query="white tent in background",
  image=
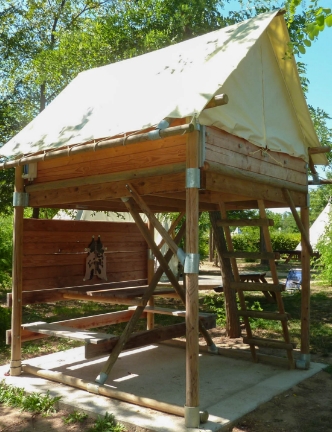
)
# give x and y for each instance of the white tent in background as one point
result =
(318, 227)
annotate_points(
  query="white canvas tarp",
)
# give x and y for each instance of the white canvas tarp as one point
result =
(246, 61)
(317, 229)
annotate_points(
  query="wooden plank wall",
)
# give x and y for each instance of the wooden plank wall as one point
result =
(232, 151)
(54, 256)
(119, 159)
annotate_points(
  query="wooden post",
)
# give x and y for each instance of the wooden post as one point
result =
(232, 319)
(305, 297)
(191, 281)
(15, 363)
(150, 316)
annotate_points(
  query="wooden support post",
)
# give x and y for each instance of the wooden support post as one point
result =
(305, 295)
(15, 363)
(303, 231)
(226, 264)
(150, 316)
(191, 281)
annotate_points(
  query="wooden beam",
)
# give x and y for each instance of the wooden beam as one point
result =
(163, 261)
(191, 279)
(253, 177)
(304, 234)
(106, 178)
(318, 150)
(112, 190)
(102, 299)
(246, 222)
(100, 145)
(218, 100)
(305, 292)
(94, 321)
(15, 362)
(143, 338)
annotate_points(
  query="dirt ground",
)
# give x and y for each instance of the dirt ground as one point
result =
(306, 407)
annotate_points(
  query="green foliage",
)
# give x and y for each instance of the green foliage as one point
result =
(5, 323)
(324, 262)
(34, 402)
(216, 304)
(6, 234)
(250, 242)
(106, 424)
(75, 417)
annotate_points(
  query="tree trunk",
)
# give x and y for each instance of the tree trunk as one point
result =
(232, 321)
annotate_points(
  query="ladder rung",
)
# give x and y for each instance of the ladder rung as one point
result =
(257, 286)
(265, 315)
(249, 255)
(269, 343)
(245, 222)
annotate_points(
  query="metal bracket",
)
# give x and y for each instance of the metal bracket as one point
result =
(193, 178)
(202, 146)
(191, 264)
(191, 417)
(315, 179)
(154, 135)
(303, 362)
(150, 254)
(20, 199)
(181, 256)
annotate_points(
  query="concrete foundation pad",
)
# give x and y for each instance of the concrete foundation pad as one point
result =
(229, 388)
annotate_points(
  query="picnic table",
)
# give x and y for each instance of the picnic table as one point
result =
(258, 277)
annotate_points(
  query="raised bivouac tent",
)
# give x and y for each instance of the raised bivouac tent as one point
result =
(215, 123)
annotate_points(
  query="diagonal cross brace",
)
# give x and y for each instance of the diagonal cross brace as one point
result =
(102, 377)
(164, 264)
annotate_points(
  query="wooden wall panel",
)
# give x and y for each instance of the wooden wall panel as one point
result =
(226, 149)
(54, 252)
(114, 160)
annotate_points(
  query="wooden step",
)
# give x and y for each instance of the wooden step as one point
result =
(249, 255)
(257, 286)
(169, 311)
(245, 222)
(265, 315)
(269, 343)
(68, 332)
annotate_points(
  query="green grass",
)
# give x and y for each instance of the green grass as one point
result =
(106, 424)
(75, 417)
(35, 402)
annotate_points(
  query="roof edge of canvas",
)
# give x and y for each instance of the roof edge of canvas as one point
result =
(171, 82)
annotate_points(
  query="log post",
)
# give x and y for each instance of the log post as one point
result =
(150, 316)
(232, 320)
(191, 268)
(304, 362)
(15, 363)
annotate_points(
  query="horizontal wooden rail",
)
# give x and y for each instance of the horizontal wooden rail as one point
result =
(145, 337)
(269, 343)
(107, 391)
(249, 255)
(100, 145)
(318, 150)
(256, 286)
(218, 100)
(103, 299)
(253, 177)
(245, 222)
(274, 316)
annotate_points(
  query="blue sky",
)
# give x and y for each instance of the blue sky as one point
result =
(318, 59)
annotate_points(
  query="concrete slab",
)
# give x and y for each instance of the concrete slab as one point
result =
(229, 388)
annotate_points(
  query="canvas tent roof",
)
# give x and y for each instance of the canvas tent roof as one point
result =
(245, 61)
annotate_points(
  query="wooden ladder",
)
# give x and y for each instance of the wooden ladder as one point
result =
(275, 288)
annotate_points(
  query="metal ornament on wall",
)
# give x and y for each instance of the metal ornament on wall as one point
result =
(95, 261)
